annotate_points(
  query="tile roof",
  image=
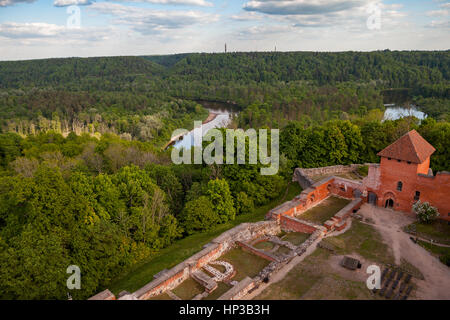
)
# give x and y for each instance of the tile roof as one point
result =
(411, 147)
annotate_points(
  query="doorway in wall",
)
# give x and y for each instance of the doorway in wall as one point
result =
(389, 204)
(372, 198)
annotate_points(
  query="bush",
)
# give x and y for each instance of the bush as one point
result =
(244, 204)
(425, 212)
(198, 215)
(445, 259)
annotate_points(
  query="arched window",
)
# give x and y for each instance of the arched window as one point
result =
(399, 186)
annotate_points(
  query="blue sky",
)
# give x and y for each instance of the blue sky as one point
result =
(45, 28)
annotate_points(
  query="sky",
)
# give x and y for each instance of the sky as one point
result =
(33, 29)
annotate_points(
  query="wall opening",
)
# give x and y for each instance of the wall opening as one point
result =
(389, 203)
(372, 198)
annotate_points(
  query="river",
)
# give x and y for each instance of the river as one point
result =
(394, 112)
(221, 115)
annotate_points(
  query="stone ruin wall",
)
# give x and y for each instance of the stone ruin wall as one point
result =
(170, 279)
(304, 176)
(281, 217)
(295, 225)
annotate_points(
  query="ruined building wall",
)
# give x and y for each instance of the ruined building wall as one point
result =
(170, 279)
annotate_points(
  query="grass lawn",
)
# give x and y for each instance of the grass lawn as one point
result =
(163, 296)
(245, 263)
(313, 278)
(141, 274)
(188, 289)
(264, 245)
(435, 250)
(283, 250)
(221, 289)
(296, 238)
(324, 210)
(439, 231)
(364, 240)
(308, 280)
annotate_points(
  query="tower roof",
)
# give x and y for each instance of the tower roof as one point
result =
(411, 147)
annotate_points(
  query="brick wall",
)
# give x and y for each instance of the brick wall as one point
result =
(170, 279)
(433, 189)
(296, 225)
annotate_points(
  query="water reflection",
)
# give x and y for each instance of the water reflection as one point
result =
(224, 114)
(394, 113)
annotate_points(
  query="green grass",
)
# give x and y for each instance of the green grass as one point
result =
(141, 274)
(435, 250)
(364, 240)
(283, 250)
(296, 238)
(264, 245)
(407, 266)
(439, 231)
(325, 210)
(297, 282)
(163, 296)
(188, 289)
(221, 289)
(313, 279)
(245, 263)
(363, 171)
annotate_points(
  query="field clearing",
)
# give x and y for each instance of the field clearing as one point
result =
(296, 238)
(324, 210)
(245, 263)
(188, 289)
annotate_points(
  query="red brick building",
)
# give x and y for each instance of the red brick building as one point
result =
(404, 176)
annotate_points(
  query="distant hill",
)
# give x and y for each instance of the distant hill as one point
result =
(391, 69)
(67, 71)
(167, 60)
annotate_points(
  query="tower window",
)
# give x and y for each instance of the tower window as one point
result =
(389, 158)
(399, 160)
(409, 162)
(417, 195)
(399, 186)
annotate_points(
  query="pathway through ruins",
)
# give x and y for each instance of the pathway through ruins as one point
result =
(390, 224)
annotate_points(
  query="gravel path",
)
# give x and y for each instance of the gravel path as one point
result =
(390, 223)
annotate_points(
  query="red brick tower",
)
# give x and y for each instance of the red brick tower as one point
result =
(405, 176)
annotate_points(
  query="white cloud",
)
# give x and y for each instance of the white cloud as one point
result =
(149, 21)
(47, 32)
(200, 3)
(352, 19)
(65, 3)
(5, 3)
(445, 24)
(247, 16)
(301, 7)
(437, 13)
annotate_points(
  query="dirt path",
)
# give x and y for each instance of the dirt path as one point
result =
(390, 223)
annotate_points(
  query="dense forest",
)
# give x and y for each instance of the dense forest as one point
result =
(84, 180)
